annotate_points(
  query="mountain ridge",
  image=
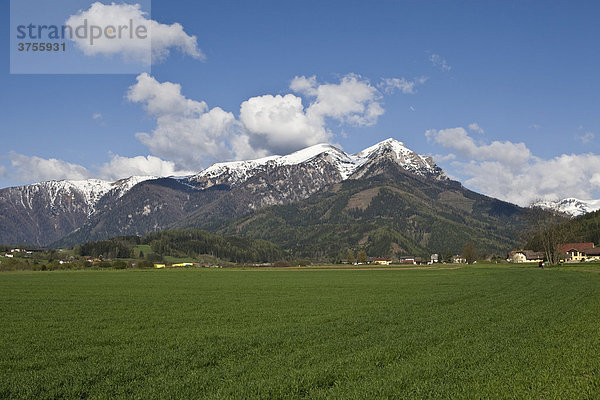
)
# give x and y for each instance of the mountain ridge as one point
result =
(570, 206)
(226, 192)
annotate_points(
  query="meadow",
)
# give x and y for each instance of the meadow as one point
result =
(487, 332)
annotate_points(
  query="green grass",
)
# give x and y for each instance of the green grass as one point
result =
(475, 332)
(145, 248)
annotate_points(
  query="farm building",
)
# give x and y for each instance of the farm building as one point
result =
(525, 256)
(576, 252)
(382, 261)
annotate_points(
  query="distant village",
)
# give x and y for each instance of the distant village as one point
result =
(569, 253)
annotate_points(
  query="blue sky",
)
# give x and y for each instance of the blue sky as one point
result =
(525, 72)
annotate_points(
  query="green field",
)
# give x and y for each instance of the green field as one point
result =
(473, 332)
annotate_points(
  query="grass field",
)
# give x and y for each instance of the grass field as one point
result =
(467, 333)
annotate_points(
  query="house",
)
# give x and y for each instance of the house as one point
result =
(185, 264)
(435, 258)
(459, 259)
(382, 261)
(525, 256)
(576, 252)
(407, 260)
(592, 254)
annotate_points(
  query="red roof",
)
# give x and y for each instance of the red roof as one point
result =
(581, 247)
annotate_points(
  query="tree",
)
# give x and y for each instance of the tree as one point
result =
(350, 257)
(469, 252)
(548, 233)
(361, 257)
(448, 256)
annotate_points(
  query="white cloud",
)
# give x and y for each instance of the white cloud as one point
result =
(33, 168)
(439, 62)
(586, 137)
(163, 98)
(280, 123)
(187, 131)
(96, 115)
(510, 172)
(120, 167)
(113, 36)
(390, 85)
(513, 155)
(353, 101)
(535, 126)
(2, 171)
(474, 127)
(302, 84)
(193, 136)
(38, 169)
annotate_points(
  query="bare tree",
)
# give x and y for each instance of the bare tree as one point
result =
(469, 252)
(549, 232)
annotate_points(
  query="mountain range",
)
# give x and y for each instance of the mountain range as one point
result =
(570, 206)
(315, 202)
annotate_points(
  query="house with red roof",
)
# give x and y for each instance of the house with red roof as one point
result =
(576, 252)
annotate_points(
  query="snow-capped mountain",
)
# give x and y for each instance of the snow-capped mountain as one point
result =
(570, 206)
(236, 172)
(63, 193)
(44, 212)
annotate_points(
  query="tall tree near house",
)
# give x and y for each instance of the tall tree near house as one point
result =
(361, 257)
(549, 232)
(350, 257)
(448, 256)
(469, 252)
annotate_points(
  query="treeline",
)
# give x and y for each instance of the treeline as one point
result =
(188, 243)
(19, 264)
(119, 247)
(192, 242)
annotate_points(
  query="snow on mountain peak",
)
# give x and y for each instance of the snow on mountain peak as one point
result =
(570, 206)
(404, 156)
(235, 172)
(92, 190)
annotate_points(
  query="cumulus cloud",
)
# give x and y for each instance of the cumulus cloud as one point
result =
(353, 101)
(279, 124)
(119, 167)
(187, 131)
(474, 127)
(512, 155)
(37, 169)
(33, 168)
(164, 98)
(96, 115)
(509, 171)
(193, 135)
(439, 62)
(150, 40)
(390, 85)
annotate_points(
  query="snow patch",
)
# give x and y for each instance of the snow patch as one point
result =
(571, 206)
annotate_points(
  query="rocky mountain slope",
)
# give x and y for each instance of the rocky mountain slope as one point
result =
(389, 211)
(44, 212)
(422, 203)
